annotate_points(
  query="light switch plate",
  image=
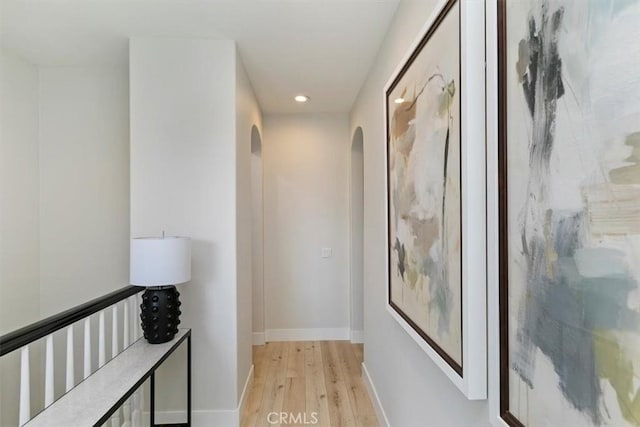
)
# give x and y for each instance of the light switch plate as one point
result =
(326, 252)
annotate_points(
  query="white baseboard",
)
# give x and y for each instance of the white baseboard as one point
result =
(221, 418)
(315, 334)
(258, 338)
(357, 337)
(245, 394)
(373, 394)
(165, 417)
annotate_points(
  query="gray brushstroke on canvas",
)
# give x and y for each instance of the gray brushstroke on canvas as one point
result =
(542, 86)
(400, 249)
(552, 316)
(562, 329)
(600, 262)
(565, 308)
(441, 295)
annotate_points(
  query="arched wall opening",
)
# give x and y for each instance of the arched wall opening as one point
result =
(356, 203)
(257, 232)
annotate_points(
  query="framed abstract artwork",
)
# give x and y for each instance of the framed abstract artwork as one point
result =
(569, 226)
(434, 115)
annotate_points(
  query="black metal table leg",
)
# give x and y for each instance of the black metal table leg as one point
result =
(189, 380)
(152, 404)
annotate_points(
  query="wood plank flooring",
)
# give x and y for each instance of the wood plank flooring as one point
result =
(317, 383)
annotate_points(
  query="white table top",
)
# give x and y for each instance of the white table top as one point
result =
(91, 399)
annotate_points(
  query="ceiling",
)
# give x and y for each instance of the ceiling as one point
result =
(322, 48)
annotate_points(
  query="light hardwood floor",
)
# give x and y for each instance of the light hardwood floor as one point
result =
(313, 377)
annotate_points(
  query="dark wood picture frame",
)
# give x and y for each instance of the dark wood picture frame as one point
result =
(503, 219)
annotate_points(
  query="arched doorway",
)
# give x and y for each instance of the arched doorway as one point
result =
(356, 191)
(257, 236)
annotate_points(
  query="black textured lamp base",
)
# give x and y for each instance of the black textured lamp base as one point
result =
(160, 314)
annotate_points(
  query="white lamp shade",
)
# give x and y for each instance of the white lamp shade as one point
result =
(158, 261)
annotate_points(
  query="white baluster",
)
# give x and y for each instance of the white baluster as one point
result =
(136, 414)
(126, 407)
(125, 325)
(114, 332)
(102, 355)
(126, 412)
(25, 389)
(136, 400)
(115, 419)
(70, 380)
(136, 317)
(87, 347)
(48, 372)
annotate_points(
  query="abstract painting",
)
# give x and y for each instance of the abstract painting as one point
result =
(424, 194)
(569, 85)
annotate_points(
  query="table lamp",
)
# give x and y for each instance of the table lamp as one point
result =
(159, 263)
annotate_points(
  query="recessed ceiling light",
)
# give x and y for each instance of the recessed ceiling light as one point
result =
(399, 100)
(301, 98)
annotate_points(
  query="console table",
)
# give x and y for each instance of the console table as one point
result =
(94, 400)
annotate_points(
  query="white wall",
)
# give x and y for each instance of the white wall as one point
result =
(356, 203)
(65, 201)
(84, 184)
(19, 192)
(404, 376)
(19, 214)
(84, 193)
(183, 175)
(306, 208)
(248, 115)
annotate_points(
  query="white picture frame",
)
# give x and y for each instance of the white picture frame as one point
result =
(471, 379)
